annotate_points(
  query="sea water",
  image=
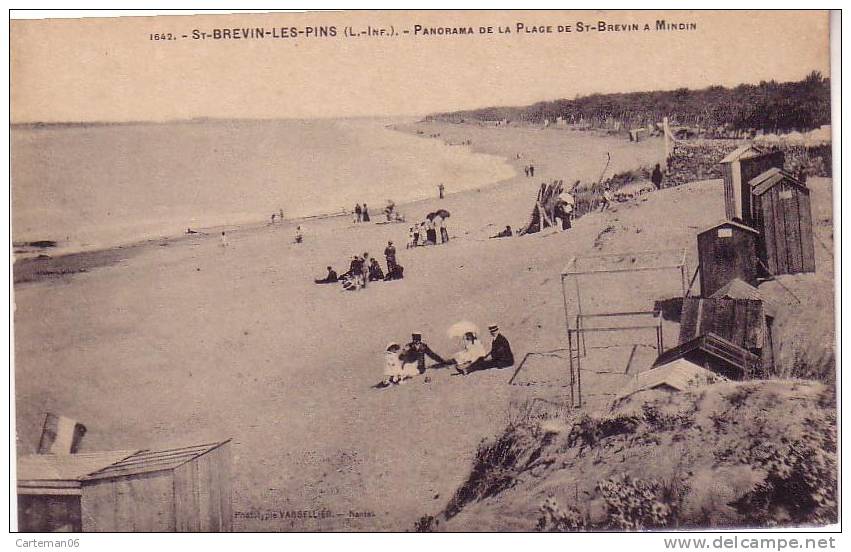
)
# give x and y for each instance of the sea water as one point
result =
(95, 186)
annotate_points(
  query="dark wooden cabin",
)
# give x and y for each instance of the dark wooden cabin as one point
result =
(726, 251)
(742, 322)
(185, 489)
(781, 213)
(738, 168)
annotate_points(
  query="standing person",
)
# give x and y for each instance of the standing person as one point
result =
(356, 272)
(281, 214)
(500, 355)
(365, 213)
(441, 225)
(607, 198)
(656, 177)
(273, 217)
(531, 170)
(390, 256)
(431, 233)
(526, 170)
(440, 190)
(299, 235)
(365, 268)
(416, 351)
(357, 212)
(224, 242)
(415, 235)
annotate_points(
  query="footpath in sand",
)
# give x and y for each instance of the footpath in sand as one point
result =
(187, 342)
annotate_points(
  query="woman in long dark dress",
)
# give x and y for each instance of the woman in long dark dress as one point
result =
(365, 213)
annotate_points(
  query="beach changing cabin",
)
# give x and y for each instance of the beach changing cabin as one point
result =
(183, 489)
(726, 251)
(781, 212)
(738, 168)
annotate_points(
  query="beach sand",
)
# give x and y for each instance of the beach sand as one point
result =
(186, 342)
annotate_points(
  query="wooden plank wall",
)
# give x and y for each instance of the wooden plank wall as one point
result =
(729, 198)
(788, 246)
(202, 492)
(739, 321)
(722, 259)
(143, 502)
(751, 168)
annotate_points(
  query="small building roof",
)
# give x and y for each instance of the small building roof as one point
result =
(727, 222)
(147, 461)
(48, 473)
(743, 152)
(766, 180)
(738, 289)
(679, 375)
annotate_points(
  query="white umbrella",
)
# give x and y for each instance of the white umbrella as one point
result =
(458, 329)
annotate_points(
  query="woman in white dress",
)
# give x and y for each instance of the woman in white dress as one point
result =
(473, 350)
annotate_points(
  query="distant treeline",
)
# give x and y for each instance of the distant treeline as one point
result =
(767, 106)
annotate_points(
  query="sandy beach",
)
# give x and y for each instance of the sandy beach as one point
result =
(182, 341)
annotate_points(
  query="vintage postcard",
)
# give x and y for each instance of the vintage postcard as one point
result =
(387, 271)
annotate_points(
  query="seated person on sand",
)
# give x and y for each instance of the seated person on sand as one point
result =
(329, 279)
(299, 235)
(375, 272)
(395, 371)
(500, 355)
(415, 353)
(473, 350)
(396, 273)
(507, 233)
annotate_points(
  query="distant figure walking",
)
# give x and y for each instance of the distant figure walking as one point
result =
(440, 190)
(656, 177)
(224, 240)
(390, 256)
(365, 213)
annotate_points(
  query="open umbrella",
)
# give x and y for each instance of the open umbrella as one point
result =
(442, 213)
(458, 329)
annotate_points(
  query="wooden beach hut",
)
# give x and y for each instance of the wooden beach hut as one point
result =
(781, 212)
(740, 321)
(726, 251)
(738, 168)
(184, 489)
(737, 289)
(49, 488)
(715, 354)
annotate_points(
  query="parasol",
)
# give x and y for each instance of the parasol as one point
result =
(458, 329)
(442, 213)
(567, 197)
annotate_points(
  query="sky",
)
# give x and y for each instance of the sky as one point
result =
(109, 69)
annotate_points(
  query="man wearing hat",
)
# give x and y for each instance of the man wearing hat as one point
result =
(390, 255)
(500, 355)
(416, 351)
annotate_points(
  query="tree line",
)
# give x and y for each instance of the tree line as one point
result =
(768, 106)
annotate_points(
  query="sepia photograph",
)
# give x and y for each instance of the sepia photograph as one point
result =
(424, 271)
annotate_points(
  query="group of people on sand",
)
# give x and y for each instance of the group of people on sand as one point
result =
(529, 170)
(278, 217)
(361, 213)
(364, 269)
(404, 363)
(431, 231)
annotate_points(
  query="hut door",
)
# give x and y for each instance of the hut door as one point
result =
(736, 169)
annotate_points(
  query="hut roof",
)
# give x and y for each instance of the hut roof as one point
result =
(730, 223)
(738, 289)
(679, 374)
(740, 360)
(743, 152)
(48, 473)
(147, 461)
(765, 181)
